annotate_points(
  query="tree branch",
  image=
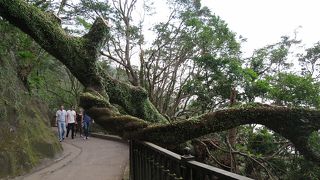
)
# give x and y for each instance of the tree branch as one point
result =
(79, 54)
(292, 123)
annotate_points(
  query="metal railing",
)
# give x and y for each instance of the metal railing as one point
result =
(151, 162)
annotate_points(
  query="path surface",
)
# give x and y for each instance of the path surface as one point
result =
(92, 159)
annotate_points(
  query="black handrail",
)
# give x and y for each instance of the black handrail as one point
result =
(151, 162)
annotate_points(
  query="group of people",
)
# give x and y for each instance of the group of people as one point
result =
(71, 120)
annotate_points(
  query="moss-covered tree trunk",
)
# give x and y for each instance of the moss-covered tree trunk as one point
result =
(105, 98)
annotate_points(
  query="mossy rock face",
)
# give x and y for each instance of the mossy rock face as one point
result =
(5, 164)
(25, 135)
(44, 148)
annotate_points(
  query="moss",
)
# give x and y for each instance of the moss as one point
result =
(89, 100)
(121, 124)
(25, 137)
(44, 148)
(6, 164)
(134, 100)
(96, 112)
(26, 141)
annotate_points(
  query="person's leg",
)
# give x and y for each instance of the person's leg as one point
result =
(88, 128)
(72, 130)
(63, 129)
(59, 130)
(75, 129)
(85, 128)
(80, 129)
(68, 129)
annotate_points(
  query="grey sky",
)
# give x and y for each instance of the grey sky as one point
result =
(263, 22)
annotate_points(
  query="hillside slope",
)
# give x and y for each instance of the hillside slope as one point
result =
(25, 134)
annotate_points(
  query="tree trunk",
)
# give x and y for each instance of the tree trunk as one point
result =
(232, 134)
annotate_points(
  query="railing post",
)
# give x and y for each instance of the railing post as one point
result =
(186, 171)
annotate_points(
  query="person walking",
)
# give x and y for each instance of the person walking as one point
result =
(61, 117)
(79, 122)
(71, 119)
(86, 124)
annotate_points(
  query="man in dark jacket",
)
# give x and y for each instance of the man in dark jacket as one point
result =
(86, 124)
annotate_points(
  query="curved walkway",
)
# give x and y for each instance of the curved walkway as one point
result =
(92, 159)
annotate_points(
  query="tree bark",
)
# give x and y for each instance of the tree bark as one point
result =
(232, 134)
(80, 55)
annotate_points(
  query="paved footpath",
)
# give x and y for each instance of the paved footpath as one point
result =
(92, 159)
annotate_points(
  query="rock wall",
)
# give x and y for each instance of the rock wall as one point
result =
(25, 133)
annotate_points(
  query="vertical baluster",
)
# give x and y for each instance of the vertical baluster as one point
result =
(143, 175)
(136, 170)
(152, 165)
(172, 170)
(135, 163)
(199, 175)
(155, 166)
(149, 164)
(206, 177)
(155, 169)
(155, 174)
(178, 171)
(159, 167)
(166, 168)
(162, 167)
(146, 157)
(183, 168)
(142, 162)
(138, 161)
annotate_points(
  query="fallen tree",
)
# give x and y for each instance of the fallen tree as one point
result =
(104, 97)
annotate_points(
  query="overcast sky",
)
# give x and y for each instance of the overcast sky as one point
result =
(263, 22)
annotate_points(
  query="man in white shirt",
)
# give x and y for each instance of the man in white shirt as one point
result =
(71, 119)
(61, 117)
